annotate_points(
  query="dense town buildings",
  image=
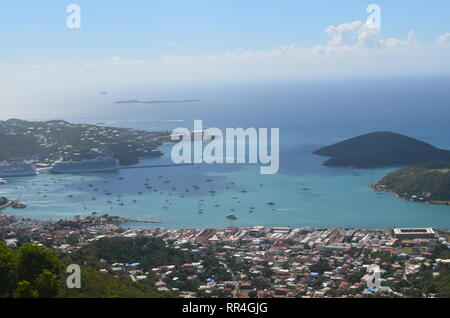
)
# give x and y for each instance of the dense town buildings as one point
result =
(261, 261)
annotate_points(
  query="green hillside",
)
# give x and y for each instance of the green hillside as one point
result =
(429, 182)
(381, 149)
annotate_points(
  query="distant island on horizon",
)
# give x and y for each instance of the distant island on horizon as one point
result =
(137, 101)
(426, 177)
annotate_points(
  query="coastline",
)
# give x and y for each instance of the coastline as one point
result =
(377, 188)
(120, 221)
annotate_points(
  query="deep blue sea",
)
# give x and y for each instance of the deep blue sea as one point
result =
(309, 114)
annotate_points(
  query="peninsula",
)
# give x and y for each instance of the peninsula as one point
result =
(48, 141)
(428, 183)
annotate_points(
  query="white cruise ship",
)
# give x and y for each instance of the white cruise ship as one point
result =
(17, 169)
(85, 166)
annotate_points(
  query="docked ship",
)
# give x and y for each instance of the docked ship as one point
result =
(86, 166)
(17, 169)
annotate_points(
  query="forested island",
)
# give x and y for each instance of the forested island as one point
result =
(48, 141)
(424, 178)
(381, 150)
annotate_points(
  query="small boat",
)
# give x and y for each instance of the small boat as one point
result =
(271, 203)
(232, 217)
(18, 205)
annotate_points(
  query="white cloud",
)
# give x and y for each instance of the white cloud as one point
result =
(354, 34)
(396, 43)
(444, 40)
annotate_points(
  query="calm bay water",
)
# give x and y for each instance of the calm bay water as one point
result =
(306, 193)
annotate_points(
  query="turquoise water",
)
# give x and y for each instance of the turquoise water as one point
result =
(317, 196)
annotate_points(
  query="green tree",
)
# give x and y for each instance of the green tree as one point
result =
(8, 266)
(47, 284)
(25, 290)
(32, 260)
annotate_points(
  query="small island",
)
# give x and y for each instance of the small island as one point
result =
(381, 150)
(44, 142)
(137, 101)
(425, 176)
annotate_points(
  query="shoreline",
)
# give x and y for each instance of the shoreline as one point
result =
(120, 221)
(376, 188)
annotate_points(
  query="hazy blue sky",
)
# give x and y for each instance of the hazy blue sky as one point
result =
(33, 31)
(139, 42)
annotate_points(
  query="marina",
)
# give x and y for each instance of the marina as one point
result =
(204, 196)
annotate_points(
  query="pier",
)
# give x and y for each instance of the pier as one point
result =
(124, 220)
(9, 203)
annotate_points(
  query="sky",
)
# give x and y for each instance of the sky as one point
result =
(146, 42)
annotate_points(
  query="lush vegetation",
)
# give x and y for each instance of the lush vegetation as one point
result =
(52, 140)
(149, 252)
(98, 285)
(33, 271)
(29, 272)
(428, 182)
(381, 149)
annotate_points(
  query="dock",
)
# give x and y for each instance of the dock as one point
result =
(6, 205)
(140, 220)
